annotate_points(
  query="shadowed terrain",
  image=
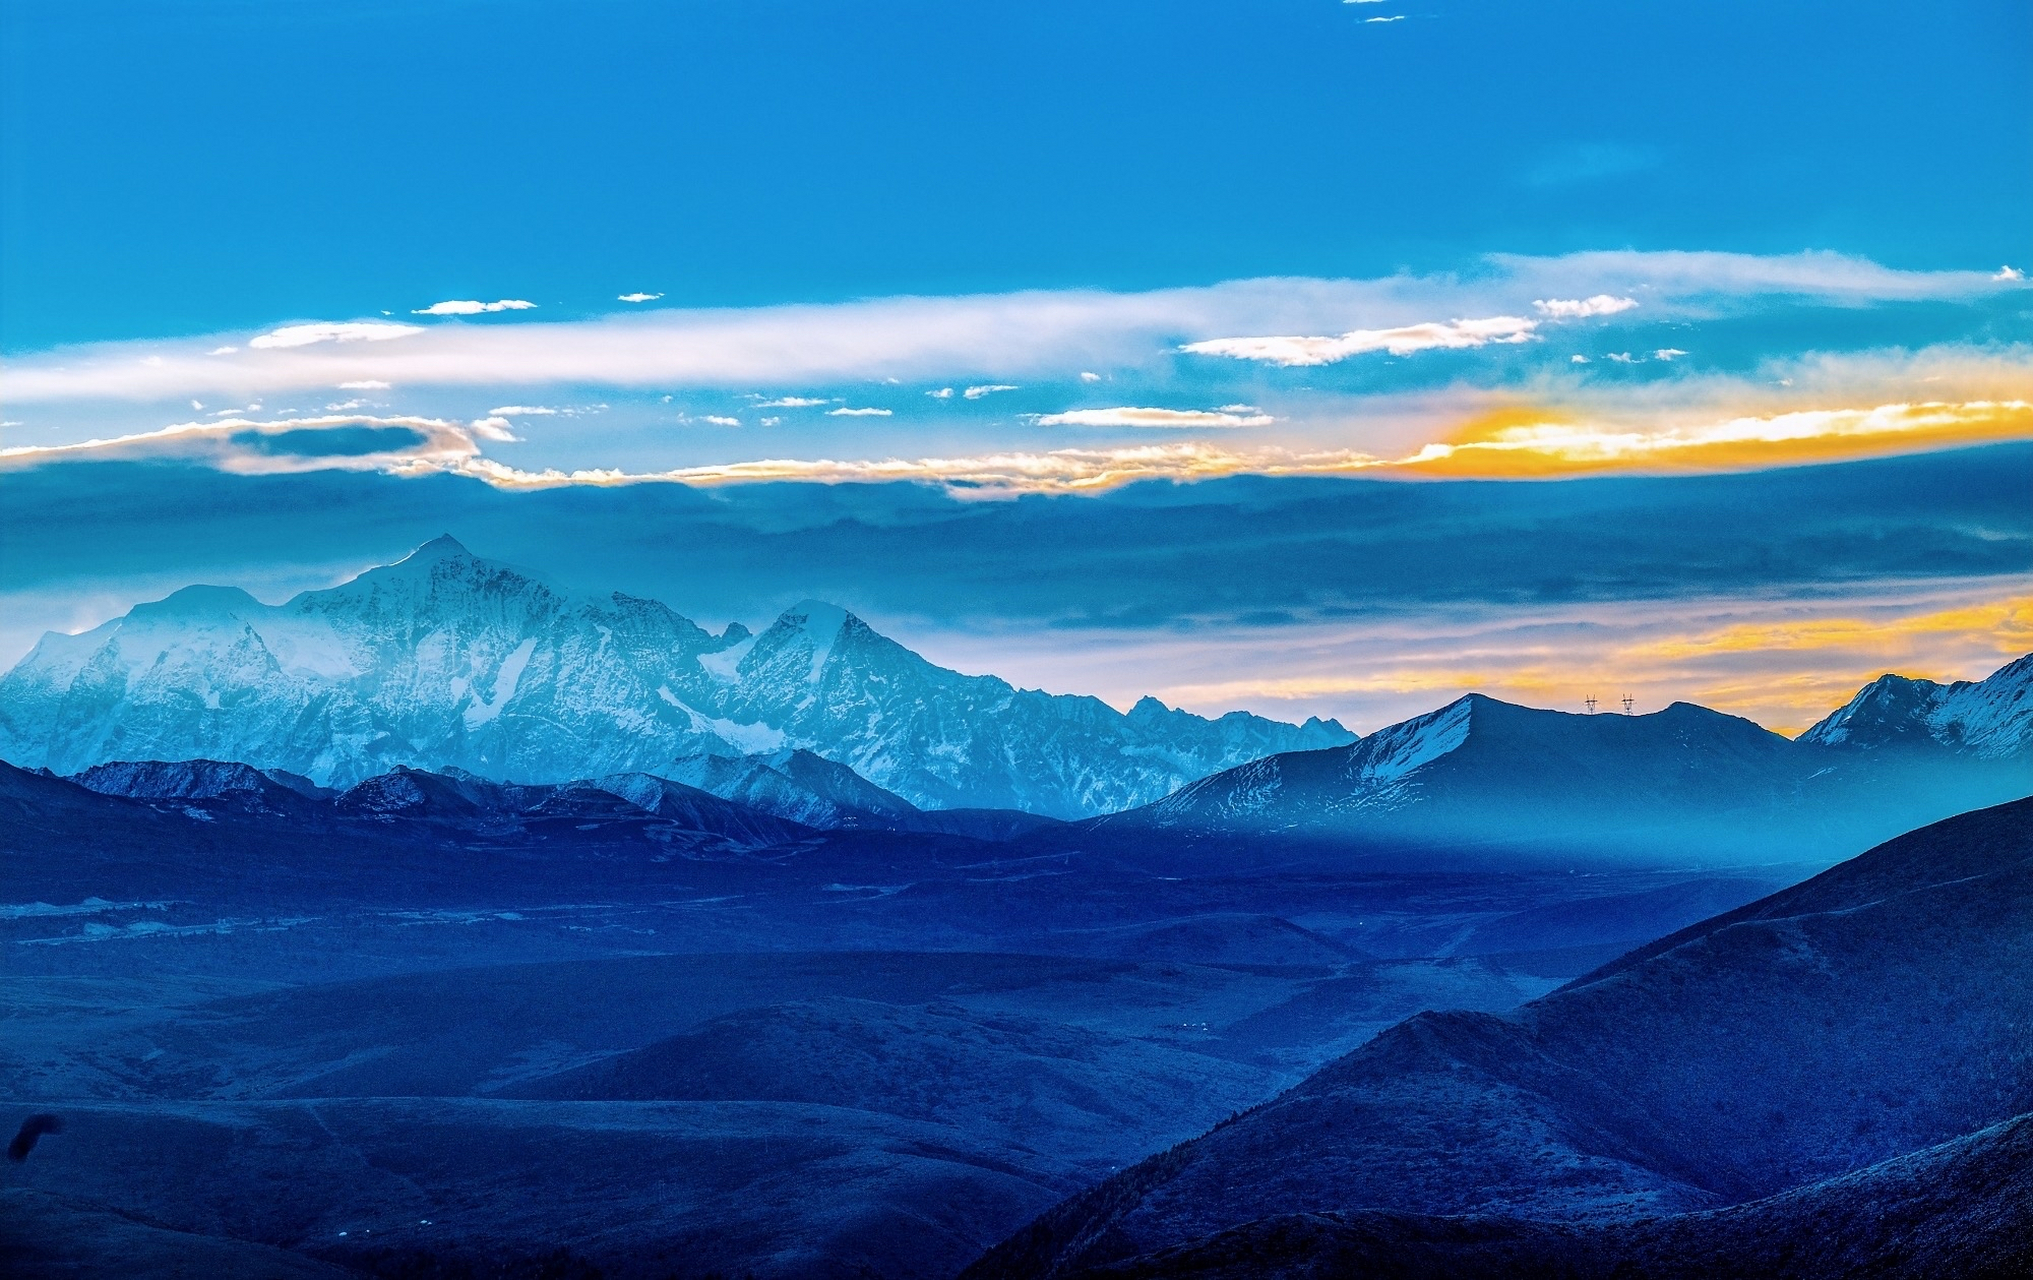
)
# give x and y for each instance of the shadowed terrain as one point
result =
(1873, 1011)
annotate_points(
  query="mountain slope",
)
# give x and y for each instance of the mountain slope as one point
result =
(445, 660)
(1872, 1011)
(1963, 1208)
(1988, 718)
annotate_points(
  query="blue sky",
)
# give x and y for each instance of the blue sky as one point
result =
(591, 258)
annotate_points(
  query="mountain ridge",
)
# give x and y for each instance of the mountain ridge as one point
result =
(1682, 781)
(444, 659)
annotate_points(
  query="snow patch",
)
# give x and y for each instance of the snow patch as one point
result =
(724, 665)
(485, 710)
(1390, 754)
(752, 739)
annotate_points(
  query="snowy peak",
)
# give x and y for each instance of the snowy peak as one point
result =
(448, 661)
(795, 649)
(1990, 718)
(214, 604)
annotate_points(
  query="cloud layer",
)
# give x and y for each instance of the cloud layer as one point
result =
(992, 339)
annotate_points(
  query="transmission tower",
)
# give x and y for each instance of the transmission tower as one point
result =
(1590, 702)
(1627, 704)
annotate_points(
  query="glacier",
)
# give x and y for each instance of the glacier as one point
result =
(445, 660)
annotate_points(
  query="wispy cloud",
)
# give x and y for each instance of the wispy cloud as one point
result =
(792, 402)
(719, 420)
(473, 308)
(305, 335)
(497, 429)
(1451, 335)
(523, 411)
(845, 412)
(2008, 273)
(1396, 17)
(364, 384)
(1602, 304)
(988, 389)
(638, 297)
(1170, 418)
(975, 340)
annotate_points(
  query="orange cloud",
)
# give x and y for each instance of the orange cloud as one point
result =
(1524, 442)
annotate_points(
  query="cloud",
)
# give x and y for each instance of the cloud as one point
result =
(857, 413)
(304, 335)
(496, 429)
(975, 393)
(986, 339)
(1453, 335)
(2009, 273)
(365, 384)
(342, 406)
(523, 411)
(720, 421)
(1601, 304)
(1668, 353)
(639, 297)
(1175, 418)
(1396, 17)
(772, 422)
(941, 393)
(1087, 376)
(791, 402)
(244, 446)
(1527, 443)
(1577, 359)
(470, 308)
(222, 351)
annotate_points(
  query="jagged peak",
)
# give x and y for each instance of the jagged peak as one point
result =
(816, 618)
(442, 547)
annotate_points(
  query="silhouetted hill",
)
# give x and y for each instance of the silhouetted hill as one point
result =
(1873, 1011)
(1959, 1209)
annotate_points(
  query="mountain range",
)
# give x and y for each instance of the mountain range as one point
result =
(1481, 774)
(446, 660)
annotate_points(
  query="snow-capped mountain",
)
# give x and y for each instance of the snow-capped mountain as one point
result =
(1989, 718)
(1500, 763)
(446, 660)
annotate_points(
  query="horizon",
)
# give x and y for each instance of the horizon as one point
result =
(1122, 703)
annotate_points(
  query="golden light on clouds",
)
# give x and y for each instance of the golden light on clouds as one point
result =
(1512, 443)
(1527, 443)
(1785, 669)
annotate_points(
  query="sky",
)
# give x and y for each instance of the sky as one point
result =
(1310, 357)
